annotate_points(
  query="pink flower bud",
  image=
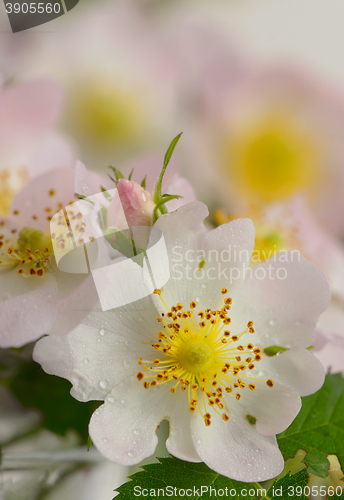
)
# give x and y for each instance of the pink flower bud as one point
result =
(137, 203)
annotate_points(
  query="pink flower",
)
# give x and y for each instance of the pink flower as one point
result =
(276, 134)
(35, 296)
(28, 143)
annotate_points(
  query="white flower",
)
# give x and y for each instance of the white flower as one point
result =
(194, 354)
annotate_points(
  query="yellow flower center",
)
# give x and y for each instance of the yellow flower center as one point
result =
(105, 116)
(196, 356)
(31, 249)
(268, 243)
(274, 158)
(199, 355)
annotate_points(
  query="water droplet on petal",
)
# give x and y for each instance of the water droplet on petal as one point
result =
(272, 322)
(102, 332)
(111, 399)
(103, 384)
(131, 454)
(86, 361)
(105, 440)
(137, 432)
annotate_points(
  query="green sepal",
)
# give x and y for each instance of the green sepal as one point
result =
(157, 195)
(82, 197)
(165, 199)
(106, 194)
(118, 174)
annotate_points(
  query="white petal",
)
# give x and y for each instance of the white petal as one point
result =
(274, 407)
(124, 428)
(235, 448)
(284, 311)
(75, 305)
(93, 359)
(98, 355)
(188, 242)
(298, 368)
(180, 443)
(30, 310)
(80, 180)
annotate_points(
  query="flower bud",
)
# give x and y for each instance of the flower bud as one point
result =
(137, 203)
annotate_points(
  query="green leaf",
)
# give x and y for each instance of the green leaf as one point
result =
(178, 479)
(290, 486)
(143, 183)
(130, 175)
(174, 473)
(274, 349)
(319, 427)
(157, 189)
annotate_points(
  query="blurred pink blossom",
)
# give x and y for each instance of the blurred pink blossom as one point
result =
(28, 143)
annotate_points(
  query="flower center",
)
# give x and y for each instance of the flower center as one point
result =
(103, 114)
(196, 356)
(33, 239)
(274, 158)
(28, 248)
(202, 357)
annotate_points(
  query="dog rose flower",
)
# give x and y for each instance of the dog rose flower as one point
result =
(35, 296)
(195, 353)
